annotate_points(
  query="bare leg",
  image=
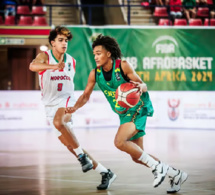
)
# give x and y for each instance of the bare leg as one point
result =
(134, 147)
(125, 132)
(68, 137)
(123, 143)
(139, 142)
(136, 151)
(107, 176)
(60, 124)
(64, 142)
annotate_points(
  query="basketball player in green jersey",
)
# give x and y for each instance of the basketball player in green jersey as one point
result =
(109, 74)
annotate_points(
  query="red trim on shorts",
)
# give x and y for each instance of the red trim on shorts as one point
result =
(117, 64)
(67, 101)
(73, 63)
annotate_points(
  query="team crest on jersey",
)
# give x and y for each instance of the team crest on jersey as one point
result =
(118, 76)
(69, 66)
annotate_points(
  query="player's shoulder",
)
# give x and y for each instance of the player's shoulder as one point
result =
(92, 74)
(42, 56)
(93, 71)
(125, 64)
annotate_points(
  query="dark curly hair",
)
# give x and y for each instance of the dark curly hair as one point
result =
(59, 30)
(110, 44)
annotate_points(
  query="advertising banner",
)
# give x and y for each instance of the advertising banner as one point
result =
(166, 59)
(183, 110)
(23, 110)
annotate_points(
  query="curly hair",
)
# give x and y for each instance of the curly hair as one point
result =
(110, 44)
(59, 30)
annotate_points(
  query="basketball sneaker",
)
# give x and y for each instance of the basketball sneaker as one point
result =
(86, 163)
(159, 171)
(176, 182)
(107, 179)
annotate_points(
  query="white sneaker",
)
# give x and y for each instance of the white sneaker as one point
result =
(177, 181)
(159, 172)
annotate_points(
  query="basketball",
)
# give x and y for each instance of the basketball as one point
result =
(127, 95)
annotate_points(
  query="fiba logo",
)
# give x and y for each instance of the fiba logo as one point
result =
(165, 44)
(173, 111)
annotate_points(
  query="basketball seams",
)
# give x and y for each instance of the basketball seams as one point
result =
(130, 91)
(126, 86)
(127, 95)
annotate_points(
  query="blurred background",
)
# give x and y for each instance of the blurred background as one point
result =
(170, 44)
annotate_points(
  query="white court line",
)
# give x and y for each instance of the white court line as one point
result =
(80, 181)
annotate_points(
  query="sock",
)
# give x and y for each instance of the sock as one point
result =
(101, 169)
(172, 172)
(70, 125)
(78, 151)
(147, 159)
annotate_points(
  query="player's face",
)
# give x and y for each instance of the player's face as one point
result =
(60, 43)
(101, 55)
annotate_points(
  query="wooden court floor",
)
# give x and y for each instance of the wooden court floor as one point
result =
(35, 163)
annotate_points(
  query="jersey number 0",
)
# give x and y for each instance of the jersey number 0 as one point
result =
(60, 86)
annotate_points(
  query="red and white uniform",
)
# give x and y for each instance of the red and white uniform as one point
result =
(57, 86)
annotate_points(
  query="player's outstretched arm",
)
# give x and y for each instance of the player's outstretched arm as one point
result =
(133, 76)
(86, 94)
(40, 63)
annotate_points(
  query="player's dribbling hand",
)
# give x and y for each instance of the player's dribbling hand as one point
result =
(70, 110)
(141, 86)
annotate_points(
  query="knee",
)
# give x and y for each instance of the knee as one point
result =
(119, 144)
(58, 124)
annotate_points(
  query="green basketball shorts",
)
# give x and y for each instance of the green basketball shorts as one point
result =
(139, 118)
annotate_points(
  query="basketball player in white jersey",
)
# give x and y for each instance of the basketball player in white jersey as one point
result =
(56, 71)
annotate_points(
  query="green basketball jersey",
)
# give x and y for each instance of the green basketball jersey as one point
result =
(109, 89)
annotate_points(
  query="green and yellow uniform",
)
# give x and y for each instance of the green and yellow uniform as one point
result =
(138, 114)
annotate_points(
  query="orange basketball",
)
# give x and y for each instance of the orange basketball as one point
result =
(127, 95)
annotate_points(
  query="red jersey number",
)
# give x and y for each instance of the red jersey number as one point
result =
(60, 86)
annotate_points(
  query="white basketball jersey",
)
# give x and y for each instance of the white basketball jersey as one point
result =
(57, 85)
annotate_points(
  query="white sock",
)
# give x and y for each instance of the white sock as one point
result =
(147, 159)
(70, 126)
(172, 172)
(101, 169)
(78, 151)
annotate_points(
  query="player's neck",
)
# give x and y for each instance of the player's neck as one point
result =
(57, 55)
(108, 66)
